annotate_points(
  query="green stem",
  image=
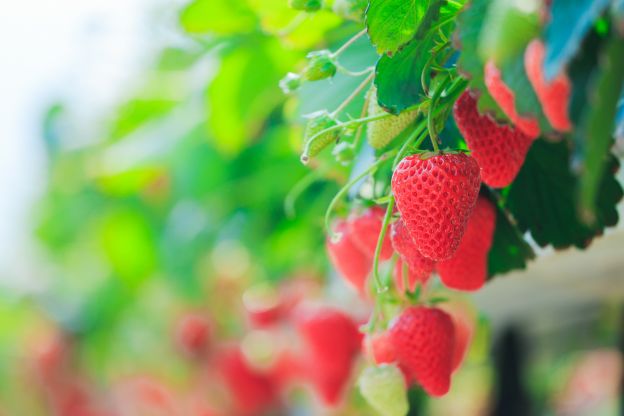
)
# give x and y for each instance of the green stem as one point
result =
(294, 24)
(346, 188)
(382, 235)
(354, 94)
(292, 196)
(346, 71)
(349, 42)
(417, 131)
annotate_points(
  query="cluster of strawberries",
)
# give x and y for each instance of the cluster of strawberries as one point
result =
(445, 225)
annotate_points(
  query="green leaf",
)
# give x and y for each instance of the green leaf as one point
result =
(469, 24)
(543, 199)
(600, 125)
(397, 78)
(222, 17)
(570, 21)
(245, 92)
(393, 23)
(128, 243)
(509, 250)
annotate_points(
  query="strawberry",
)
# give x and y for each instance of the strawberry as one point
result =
(554, 95)
(419, 267)
(505, 98)
(252, 391)
(364, 230)
(317, 122)
(424, 342)
(333, 342)
(413, 277)
(193, 334)
(379, 347)
(467, 269)
(435, 196)
(321, 65)
(384, 389)
(381, 132)
(499, 150)
(352, 264)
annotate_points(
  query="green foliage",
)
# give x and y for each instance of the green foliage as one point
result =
(543, 199)
(600, 125)
(393, 23)
(222, 17)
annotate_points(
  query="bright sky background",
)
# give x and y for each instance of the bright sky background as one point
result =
(75, 50)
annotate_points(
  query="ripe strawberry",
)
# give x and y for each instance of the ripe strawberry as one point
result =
(424, 342)
(364, 230)
(435, 196)
(384, 389)
(333, 342)
(554, 95)
(413, 277)
(381, 132)
(252, 392)
(467, 269)
(379, 347)
(349, 261)
(193, 334)
(318, 122)
(499, 150)
(505, 98)
(419, 267)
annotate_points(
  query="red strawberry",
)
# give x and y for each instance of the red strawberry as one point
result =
(424, 342)
(505, 98)
(554, 95)
(420, 267)
(379, 347)
(467, 269)
(333, 342)
(499, 150)
(435, 196)
(252, 392)
(365, 229)
(193, 334)
(352, 264)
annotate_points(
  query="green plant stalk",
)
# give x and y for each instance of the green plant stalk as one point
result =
(379, 287)
(371, 169)
(348, 43)
(292, 196)
(354, 94)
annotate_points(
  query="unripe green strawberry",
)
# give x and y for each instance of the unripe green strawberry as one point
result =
(290, 83)
(350, 9)
(384, 389)
(306, 5)
(381, 132)
(318, 122)
(321, 65)
(344, 153)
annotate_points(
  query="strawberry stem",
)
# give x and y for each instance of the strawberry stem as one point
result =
(379, 286)
(371, 169)
(354, 94)
(349, 43)
(294, 193)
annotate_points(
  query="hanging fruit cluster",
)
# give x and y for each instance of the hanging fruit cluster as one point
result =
(470, 113)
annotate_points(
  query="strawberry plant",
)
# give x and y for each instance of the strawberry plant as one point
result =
(410, 148)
